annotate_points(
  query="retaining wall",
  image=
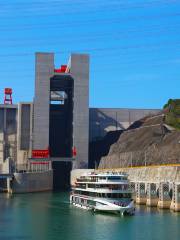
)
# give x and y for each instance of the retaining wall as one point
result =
(32, 182)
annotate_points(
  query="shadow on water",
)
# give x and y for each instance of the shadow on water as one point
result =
(61, 175)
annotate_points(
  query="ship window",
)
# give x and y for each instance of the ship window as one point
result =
(126, 195)
(120, 195)
(115, 195)
(82, 185)
(103, 195)
(114, 178)
(109, 195)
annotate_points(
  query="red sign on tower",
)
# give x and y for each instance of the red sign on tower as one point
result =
(40, 153)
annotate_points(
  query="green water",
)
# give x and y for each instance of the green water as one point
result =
(49, 216)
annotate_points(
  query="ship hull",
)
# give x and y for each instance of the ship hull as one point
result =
(100, 205)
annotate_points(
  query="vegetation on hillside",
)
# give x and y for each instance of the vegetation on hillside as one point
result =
(172, 112)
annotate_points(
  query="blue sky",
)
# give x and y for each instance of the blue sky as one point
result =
(134, 47)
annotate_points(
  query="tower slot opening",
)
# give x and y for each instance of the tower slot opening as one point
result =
(61, 116)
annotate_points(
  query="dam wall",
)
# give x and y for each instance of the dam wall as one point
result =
(32, 182)
(153, 173)
(104, 120)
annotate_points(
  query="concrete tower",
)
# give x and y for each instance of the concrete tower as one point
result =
(44, 70)
(61, 109)
(79, 68)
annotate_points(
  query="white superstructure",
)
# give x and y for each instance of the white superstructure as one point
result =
(108, 192)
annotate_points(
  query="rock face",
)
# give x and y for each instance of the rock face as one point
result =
(100, 148)
(150, 141)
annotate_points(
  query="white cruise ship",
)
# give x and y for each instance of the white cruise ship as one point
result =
(107, 192)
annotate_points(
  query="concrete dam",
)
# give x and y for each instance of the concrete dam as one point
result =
(43, 140)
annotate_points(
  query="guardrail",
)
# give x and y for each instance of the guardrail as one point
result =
(141, 166)
(34, 166)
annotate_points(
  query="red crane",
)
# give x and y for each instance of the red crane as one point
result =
(8, 96)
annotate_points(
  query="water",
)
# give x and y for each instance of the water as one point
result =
(49, 216)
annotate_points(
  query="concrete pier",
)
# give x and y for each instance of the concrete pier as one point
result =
(9, 187)
(6, 182)
(140, 193)
(133, 190)
(152, 195)
(175, 203)
(164, 196)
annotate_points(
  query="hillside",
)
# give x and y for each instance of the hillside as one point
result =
(172, 113)
(153, 140)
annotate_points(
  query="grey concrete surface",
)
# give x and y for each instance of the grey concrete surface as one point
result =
(103, 120)
(79, 69)
(24, 129)
(32, 182)
(24, 125)
(44, 70)
(8, 132)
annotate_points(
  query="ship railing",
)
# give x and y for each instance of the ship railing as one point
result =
(101, 180)
(86, 180)
(109, 190)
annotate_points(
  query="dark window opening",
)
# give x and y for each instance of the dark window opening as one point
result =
(61, 116)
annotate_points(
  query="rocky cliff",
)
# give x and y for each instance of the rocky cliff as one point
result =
(149, 141)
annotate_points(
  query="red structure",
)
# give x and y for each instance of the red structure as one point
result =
(74, 152)
(8, 96)
(42, 162)
(62, 69)
(40, 153)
